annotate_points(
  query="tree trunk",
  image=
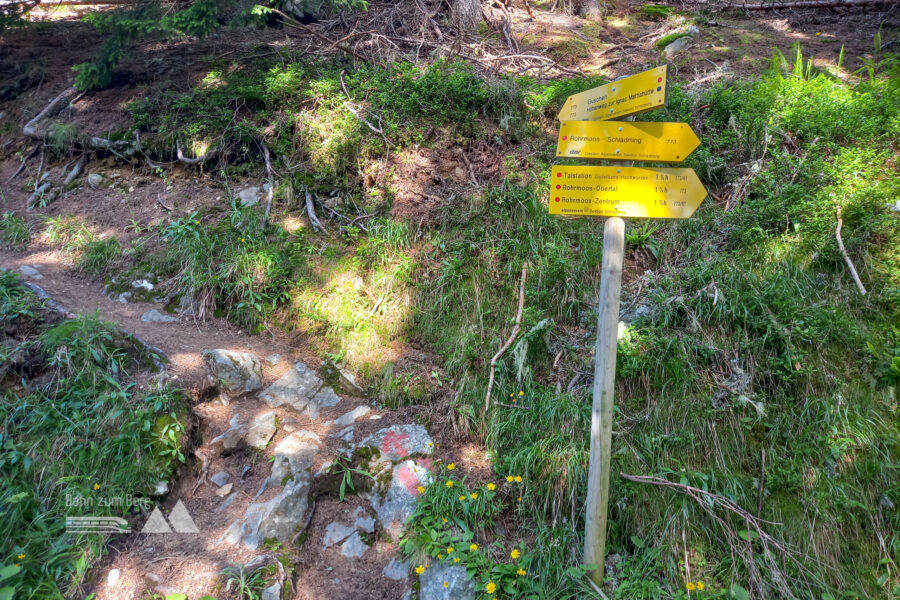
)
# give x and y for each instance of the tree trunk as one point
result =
(467, 16)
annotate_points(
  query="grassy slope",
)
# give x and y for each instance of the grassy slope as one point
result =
(755, 300)
(71, 432)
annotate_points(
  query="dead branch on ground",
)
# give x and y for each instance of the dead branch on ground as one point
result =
(271, 174)
(311, 212)
(840, 241)
(512, 338)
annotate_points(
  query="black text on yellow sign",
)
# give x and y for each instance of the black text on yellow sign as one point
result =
(625, 192)
(628, 96)
(624, 140)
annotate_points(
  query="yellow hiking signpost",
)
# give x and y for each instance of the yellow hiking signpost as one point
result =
(638, 93)
(625, 192)
(617, 191)
(625, 140)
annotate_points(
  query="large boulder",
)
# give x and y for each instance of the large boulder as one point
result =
(297, 388)
(459, 586)
(237, 372)
(396, 501)
(277, 518)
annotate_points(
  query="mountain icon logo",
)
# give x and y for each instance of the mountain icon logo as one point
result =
(179, 518)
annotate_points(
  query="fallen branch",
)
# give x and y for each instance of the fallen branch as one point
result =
(21, 168)
(512, 337)
(271, 173)
(31, 127)
(193, 161)
(160, 202)
(75, 172)
(837, 234)
(311, 212)
(295, 24)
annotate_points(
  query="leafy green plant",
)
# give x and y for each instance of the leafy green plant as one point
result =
(342, 466)
(247, 586)
(14, 231)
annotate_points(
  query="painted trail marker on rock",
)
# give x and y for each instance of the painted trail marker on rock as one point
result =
(625, 192)
(625, 140)
(627, 96)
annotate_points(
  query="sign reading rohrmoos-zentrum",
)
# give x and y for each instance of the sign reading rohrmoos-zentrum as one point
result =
(625, 192)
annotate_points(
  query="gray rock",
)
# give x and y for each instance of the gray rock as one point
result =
(294, 456)
(336, 532)
(124, 297)
(277, 518)
(273, 359)
(142, 284)
(459, 586)
(683, 43)
(249, 196)
(112, 578)
(323, 398)
(162, 488)
(230, 439)
(396, 503)
(187, 306)
(227, 501)
(397, 442)
(366, 524)
(94, 180)
(344, 379)
(30, 272)
(238, 372)
(354, 547)
(350, 417)
(224, 490)
(220, 478)
(273, 592)
(396, 570)
(345, 434)
(296, 388)
(154, 316)
(261, 430)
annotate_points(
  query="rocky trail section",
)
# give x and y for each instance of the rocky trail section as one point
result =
(287, 471)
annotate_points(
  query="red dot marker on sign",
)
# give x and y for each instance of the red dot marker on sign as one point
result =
(558, 187)
(557, 199)
(565, 137)
(559, 174)
(658, 79)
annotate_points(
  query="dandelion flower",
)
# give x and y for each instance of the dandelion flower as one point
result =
(450, 549)
(491, 486)
(509, 478)
(96, 486)
(21, 557)
(690, 586)
(700, 585)
(420, 569)
(521, 393)
(515, 554)
(421, 489)
(446, 584)
(197, 222)
(444, 519)
(521, 571)
(518, 479)
(449, 483)
(456, 559)
(451, 466)
(462, 498)
(511, 394)
(519, 499)
(473, 547)
(474, 495)
(429, 444)
(491, 587)
(440, 557)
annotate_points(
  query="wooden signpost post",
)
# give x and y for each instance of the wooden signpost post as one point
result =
(615, 192)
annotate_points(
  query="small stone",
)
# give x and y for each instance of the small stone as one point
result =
(249, 196)
(224, 490)
(112, 578)
(142, 284)
(273, 359)
(366, 524)
(220, 478)
(237, 372)
(162, 488)
(227, 502)
(244, 471)
(354, 547)
(94, 180)
(262, 430)
(349, 417)
(396, 570)
(154, 316)
(459, 173)
(345, 434)
(30, 272)
(336, 532)
(273, 592)
(124, 297)
(188, 306)
(459, 586)
(228, 440)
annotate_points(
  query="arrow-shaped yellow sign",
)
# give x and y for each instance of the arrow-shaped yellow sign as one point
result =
(624, 140)
(638, 93)
(625, 192)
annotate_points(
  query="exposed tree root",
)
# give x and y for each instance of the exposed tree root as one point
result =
(311, 212)
(211, 153)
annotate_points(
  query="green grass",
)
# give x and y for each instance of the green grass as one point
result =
(73, 430)
(14, 231)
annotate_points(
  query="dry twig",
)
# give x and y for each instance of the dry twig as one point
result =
(837, 234)
(512, 337)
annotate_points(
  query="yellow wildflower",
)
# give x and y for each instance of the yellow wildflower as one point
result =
(521, 393)
(21, 557)
(700, 585)
(446, 584)
(690, 586)
(474, 495)
(491, 587)
(420, 569)
(450, 549)
(96, 486)
(519, 499)
(451, 466)
(515, 554)
(473, 547)
(521, 571)
(449, 483)
(491, 486)
(440, 557)
(518, 479)
(444, 519)
(462, 498)
(509, 478)
(511, 394)
(421, 489)
(456, 559)
(197, 222)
